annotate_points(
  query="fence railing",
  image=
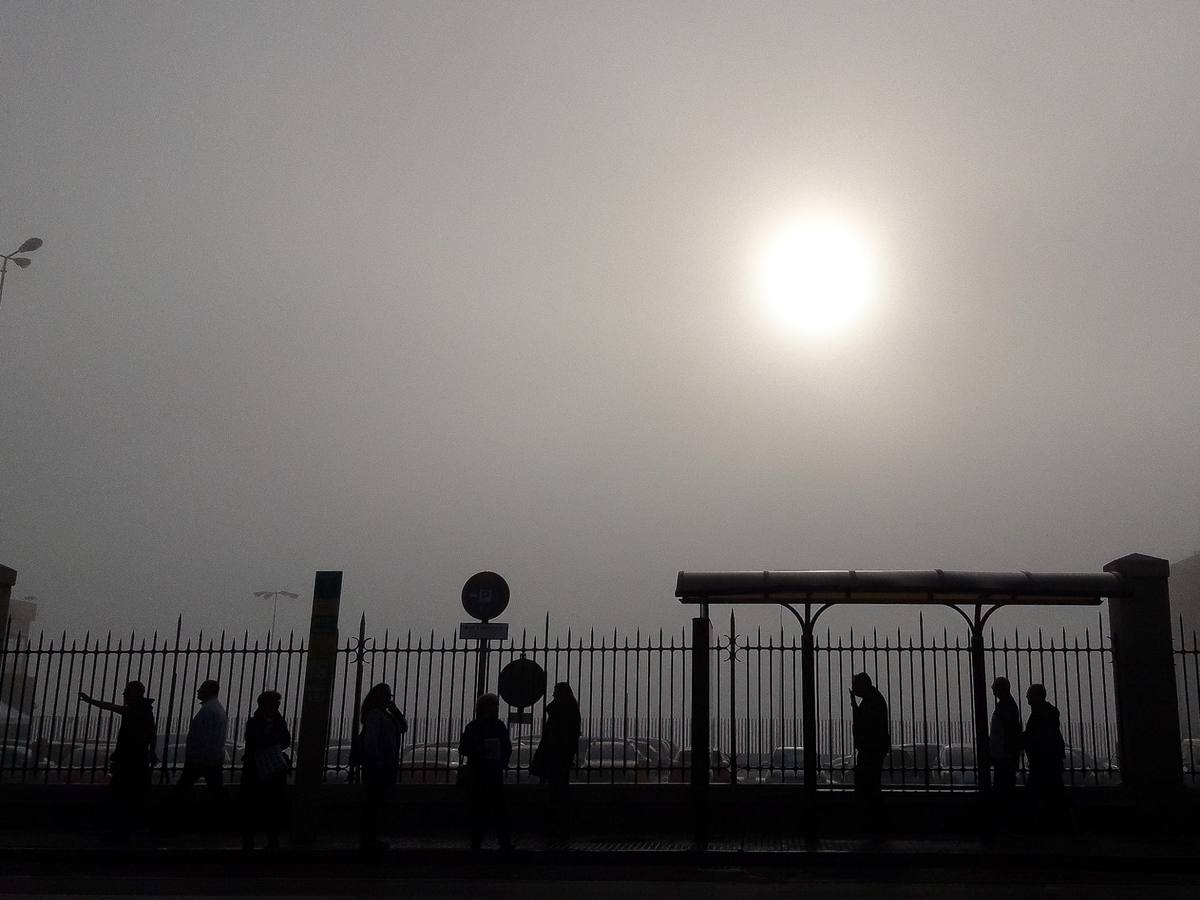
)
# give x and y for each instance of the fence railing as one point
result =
(633, 690)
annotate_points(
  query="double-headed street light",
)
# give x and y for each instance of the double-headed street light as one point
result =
(21, 262)
(274, 596)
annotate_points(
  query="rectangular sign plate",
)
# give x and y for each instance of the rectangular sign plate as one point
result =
(520, 717)
(483, 631)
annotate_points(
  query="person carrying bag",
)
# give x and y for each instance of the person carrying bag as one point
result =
(265, 769)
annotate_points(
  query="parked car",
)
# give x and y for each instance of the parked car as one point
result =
(175, 754)
(84, 762)
(906, 766)
(658, 751)
(430, 764)
(1189, 749)
(337, 762)
(787, 767)
(956, 765)
(19, 762)
(518, 765)
(1082, 768)
(616, 761)
(680, 770)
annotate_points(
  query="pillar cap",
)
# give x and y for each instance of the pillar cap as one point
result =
(8, 577)
(1139, 565)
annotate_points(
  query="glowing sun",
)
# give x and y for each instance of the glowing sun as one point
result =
(818, 275)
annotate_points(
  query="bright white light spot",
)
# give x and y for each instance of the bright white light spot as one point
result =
(818, 276)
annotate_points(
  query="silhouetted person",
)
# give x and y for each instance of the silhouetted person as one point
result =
(379, 756)
(872, 740)
(486, 748)
(264, 772)
(204, 756)
(1004, 738)
(134, 756)
(555, 755)
(1044, 747)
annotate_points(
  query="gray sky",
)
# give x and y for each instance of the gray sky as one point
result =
(417, 290)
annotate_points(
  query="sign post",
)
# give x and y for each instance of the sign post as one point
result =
(484, 596)
(522, 683)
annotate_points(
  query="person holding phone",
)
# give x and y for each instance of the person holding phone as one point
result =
(872, 740)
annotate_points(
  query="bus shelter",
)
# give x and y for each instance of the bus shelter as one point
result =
(1134, 587)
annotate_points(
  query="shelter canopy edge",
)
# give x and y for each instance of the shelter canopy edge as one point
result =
(898, 586)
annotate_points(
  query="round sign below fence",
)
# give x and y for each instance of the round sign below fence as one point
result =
(485, 595)
(522, 683)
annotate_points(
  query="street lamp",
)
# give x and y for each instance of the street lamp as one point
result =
(274, 596)
(20, 262)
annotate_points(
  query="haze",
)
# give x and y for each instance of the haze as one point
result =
(418, 290)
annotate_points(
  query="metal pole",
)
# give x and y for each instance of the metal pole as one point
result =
(808, 661)
(979, 696)
(3, 272)
(732, 699)
(171, 699)
(481, 673)
(358, 677)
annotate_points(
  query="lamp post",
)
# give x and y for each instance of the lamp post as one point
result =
(274, 596)
(21, 262)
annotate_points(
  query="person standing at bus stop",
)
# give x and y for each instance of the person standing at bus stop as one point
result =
(486, 747)
(377, 750)
(265, 769)
(555, 755)
(1044, 746)
(205, 753)
(872, 738)
(134, 756)
(1004, 739)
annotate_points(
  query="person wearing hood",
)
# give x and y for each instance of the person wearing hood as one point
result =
(555, 755)
(1043, 744)
(134, 756)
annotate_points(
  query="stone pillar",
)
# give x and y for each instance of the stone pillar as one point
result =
(1144, 676)
(319, 671)
(8, 577)
(701, 739)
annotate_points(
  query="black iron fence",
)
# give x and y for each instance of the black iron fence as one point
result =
(633, 691)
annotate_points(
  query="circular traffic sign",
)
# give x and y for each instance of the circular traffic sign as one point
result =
(485, 595)
(522, 683)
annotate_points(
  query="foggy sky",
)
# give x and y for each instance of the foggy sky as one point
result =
(414, 290)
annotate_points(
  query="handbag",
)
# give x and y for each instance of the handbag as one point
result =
(270, 761)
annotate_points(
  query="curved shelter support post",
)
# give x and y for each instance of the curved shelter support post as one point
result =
(979, 688)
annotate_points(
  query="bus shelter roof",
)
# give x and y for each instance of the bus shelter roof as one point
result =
(898, 586)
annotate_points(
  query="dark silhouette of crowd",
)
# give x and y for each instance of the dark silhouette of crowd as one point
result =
(485, 750)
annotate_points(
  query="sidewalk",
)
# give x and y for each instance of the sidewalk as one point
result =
(446, 849)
